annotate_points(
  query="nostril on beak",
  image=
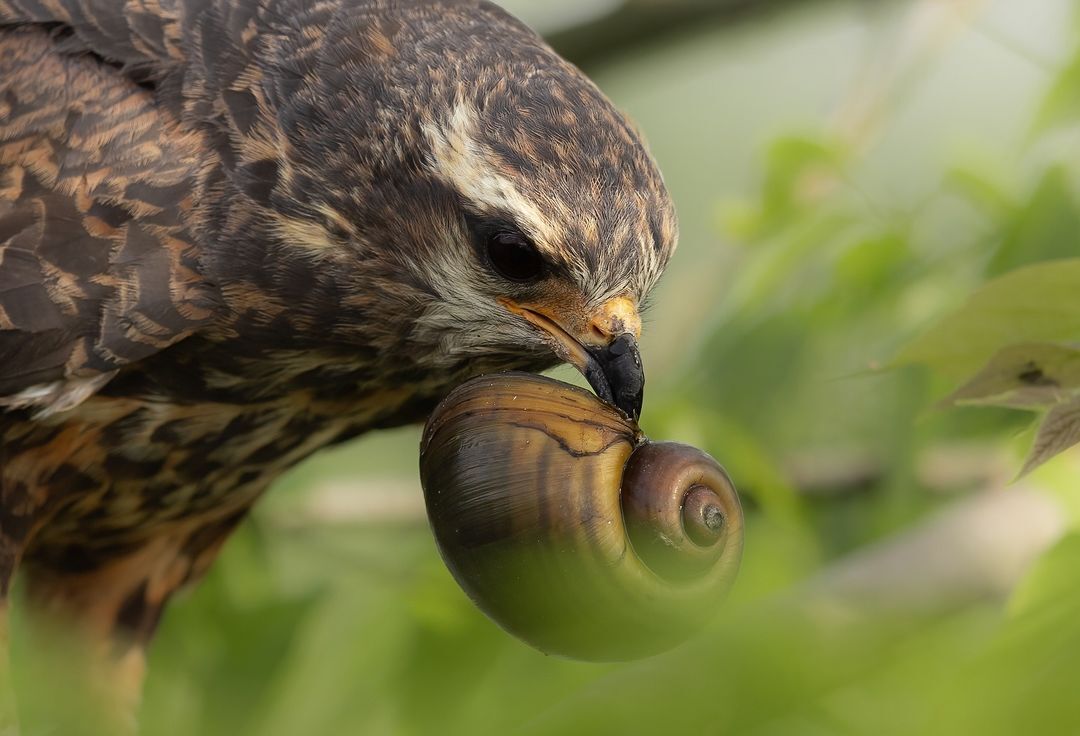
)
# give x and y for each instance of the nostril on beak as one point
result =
(615, 317)
(598, 332)
(604, 328)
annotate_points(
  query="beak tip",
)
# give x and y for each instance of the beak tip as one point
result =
(614, 370)
(621, 376)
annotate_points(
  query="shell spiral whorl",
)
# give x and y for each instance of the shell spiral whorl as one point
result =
(567, 527)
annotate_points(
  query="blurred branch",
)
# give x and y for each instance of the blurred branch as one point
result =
(947, 468)
(976, 549)
(635, 22)
(352, 502)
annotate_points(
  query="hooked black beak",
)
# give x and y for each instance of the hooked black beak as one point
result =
(613, 370)
(616, 374)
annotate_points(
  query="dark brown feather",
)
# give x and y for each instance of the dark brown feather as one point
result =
(96, 267)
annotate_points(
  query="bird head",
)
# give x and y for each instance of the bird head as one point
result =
(483, 202)
(564, 227)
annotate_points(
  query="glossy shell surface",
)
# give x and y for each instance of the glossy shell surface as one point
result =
(524, 483)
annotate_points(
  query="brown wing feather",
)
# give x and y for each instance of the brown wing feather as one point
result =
(132, 32)
(97, 269)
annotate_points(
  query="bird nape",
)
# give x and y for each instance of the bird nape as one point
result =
(233, 232)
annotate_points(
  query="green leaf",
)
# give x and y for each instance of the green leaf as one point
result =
(1060, 430)
(801, 172)
(1023, 679)
(1028, 375)
(1042, 228)
(872, 263)
(1061, 105)
(791, 160)
(982, 189)
(1039, 303)
(1051, 580)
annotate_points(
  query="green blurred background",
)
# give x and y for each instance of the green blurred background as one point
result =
(847, 174)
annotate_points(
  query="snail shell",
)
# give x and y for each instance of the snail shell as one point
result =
(567, 527)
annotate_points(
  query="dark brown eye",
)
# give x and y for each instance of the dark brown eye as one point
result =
(515, 258)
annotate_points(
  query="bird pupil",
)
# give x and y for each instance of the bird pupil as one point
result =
(514, 258)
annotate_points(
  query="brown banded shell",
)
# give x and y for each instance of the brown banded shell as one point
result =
(567, 527)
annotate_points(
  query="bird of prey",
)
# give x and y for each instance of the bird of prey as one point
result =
(233, 232)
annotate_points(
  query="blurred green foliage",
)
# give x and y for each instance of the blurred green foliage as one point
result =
(833, 285)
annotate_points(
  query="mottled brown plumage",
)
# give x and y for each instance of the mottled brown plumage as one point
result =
(233, 232)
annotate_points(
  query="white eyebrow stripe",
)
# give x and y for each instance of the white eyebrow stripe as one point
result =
(458, 159)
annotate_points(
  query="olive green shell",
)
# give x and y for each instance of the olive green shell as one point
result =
(522, 476)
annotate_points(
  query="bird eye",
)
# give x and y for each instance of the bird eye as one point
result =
(515, 258)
